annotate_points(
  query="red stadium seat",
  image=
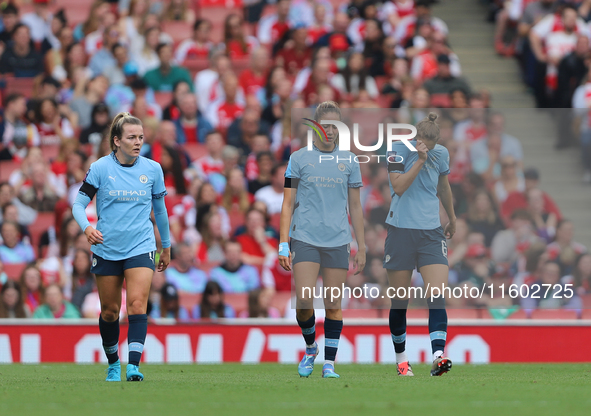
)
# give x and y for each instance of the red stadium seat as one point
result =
(22, 86)
(189, 300)
(360, 313)
(521, 314)
(42, 223)
(6, 169)
(50, 152)
(195, 150)
(555, 314)
(14, 270)
(280, 301)
(163, 98)
(238, 301)
(178, 31)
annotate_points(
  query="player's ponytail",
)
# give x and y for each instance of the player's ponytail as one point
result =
(427, 128)
(119, 121)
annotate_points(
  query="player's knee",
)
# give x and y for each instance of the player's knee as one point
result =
(110, 312)
(332, 304)
(304, 303)
(136, 307)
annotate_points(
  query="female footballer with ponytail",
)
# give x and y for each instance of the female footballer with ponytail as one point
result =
(126, 186)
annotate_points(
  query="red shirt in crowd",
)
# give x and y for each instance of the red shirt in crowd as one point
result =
(250, 82)
(518, 200)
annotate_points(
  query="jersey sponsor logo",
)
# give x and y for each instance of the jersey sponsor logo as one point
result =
(143, 179)
(325, 179)
(131, 192)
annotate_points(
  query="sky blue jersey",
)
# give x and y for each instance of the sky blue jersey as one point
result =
(418, 207)
(321, 181)
(123, 203)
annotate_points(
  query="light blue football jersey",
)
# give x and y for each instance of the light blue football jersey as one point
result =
(418, 207)
(123, 204)
(320, 216)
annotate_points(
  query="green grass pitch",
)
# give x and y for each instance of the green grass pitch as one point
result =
(273, 389)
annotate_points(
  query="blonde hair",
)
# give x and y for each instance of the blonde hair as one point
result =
(326, 108)
(116, 129)
(427, 128)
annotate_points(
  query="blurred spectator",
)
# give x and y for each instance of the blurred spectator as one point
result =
(116, 73)
(38, 21)
(207, 82)
(9, 20)
(296, 54)
(233, 275)
(253, 78)
(198, 46)
(179, 10)
(182, 272)
(11, 302)
(238, 44)
(172, 167)
(405, 28)
(169, 306)
(10, 214)
(82, 281)
(235, 196)
(353, 78)
(319, 76)
(211, 162)
(94, 92)
(104, 58)
(554, 297)
(40, 195)
(52, 38)
(26, 214)
(511, 180)
(272, 27)
(19, 59)
(55, 306)
(167, 75)
(209, 225)
(518, 200)
(172, 111)
(564, 250)
(302, 12)
(482, 216)
(224, 111)
(508, 244)
(137, 13)
(96, 14)
(550, 39)
(571, 71)
(531, 264)
(582, 124)
(320, 26)
(545, 222)
(53, 127)
(212, 304)
(17, 134)
(143, 52)
(13, 249)
(191, 126)
(272, 195)
(445, 82)
(265, 165)
(93, 134)
(485, 154)
(256, 245)
(475, 267)
(243, 129)
(32, 290)
(259, 305)
(581, 275)
(260, 143)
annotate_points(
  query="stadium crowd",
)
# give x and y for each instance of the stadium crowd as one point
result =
(217, 117)
(551, 40)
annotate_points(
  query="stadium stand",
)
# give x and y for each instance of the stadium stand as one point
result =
(408, 65)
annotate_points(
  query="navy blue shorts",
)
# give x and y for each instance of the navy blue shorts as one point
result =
(407, 248)
(331, 257)
(104, 267)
